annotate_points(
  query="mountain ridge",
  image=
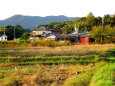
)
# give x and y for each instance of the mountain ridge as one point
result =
(33, 21)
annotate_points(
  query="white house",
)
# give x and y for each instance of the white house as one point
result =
(3, 38)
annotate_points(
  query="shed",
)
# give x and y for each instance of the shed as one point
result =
(85, 39)
(3, 38)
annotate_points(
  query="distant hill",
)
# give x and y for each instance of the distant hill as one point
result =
(32, 21)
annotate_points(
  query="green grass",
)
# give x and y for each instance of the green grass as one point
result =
(104, 76)
(51, 59)
(82, 79)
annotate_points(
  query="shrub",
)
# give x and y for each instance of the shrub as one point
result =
(22, 41)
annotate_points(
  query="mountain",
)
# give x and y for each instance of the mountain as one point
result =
(33, 21)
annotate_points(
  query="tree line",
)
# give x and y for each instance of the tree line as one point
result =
(12, 31)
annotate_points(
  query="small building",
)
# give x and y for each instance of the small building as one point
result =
(86, 39)
(3, 38)
(53, 36)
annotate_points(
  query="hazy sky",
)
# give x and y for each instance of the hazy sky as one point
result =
(71, 8)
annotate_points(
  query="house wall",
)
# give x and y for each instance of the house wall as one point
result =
(3, 38)
(37, 32)
(34, 38)
(47, 32)
(84, 40)
(40, 32)
(51, 37)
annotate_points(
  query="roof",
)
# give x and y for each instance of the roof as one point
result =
(54, 34)
(43, 29)
(82, 34)
(2, 35)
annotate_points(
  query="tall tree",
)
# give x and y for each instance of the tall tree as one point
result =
(102, 34)
(12, 31)
(91, 19)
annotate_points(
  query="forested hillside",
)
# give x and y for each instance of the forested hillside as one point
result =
(29, 22)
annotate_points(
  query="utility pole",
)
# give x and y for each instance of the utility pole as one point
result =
(4, 31)
(102, 21)
(102, 28)
(14, 33)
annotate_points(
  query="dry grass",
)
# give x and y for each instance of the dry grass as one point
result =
(58, 51)
(45, 75)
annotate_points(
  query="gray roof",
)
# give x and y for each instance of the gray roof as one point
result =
(55, 34)
(2, 35)
(42, 29)
(82, 34)
(39, 29)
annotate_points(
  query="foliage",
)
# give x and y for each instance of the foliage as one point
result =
(9, 30)
(103, 34)
(22, 41)
(25, 35)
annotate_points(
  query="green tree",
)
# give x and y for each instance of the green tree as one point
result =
(90, 19)
(98, 21)
(25, 35)
(103, 34)
(19, 30)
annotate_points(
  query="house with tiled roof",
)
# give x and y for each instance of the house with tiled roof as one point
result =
(41, 31)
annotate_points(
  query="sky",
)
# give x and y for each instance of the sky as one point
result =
(70, 8)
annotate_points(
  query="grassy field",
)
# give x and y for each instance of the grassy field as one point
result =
(73, 65)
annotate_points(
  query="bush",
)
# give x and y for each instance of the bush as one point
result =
(22, 41)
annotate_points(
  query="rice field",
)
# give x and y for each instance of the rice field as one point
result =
(73, 65)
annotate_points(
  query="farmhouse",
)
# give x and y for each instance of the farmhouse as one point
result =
(3, 38)
(45, 33)
(41, 31)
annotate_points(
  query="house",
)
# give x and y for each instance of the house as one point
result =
(41, 31)
(3, 38)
